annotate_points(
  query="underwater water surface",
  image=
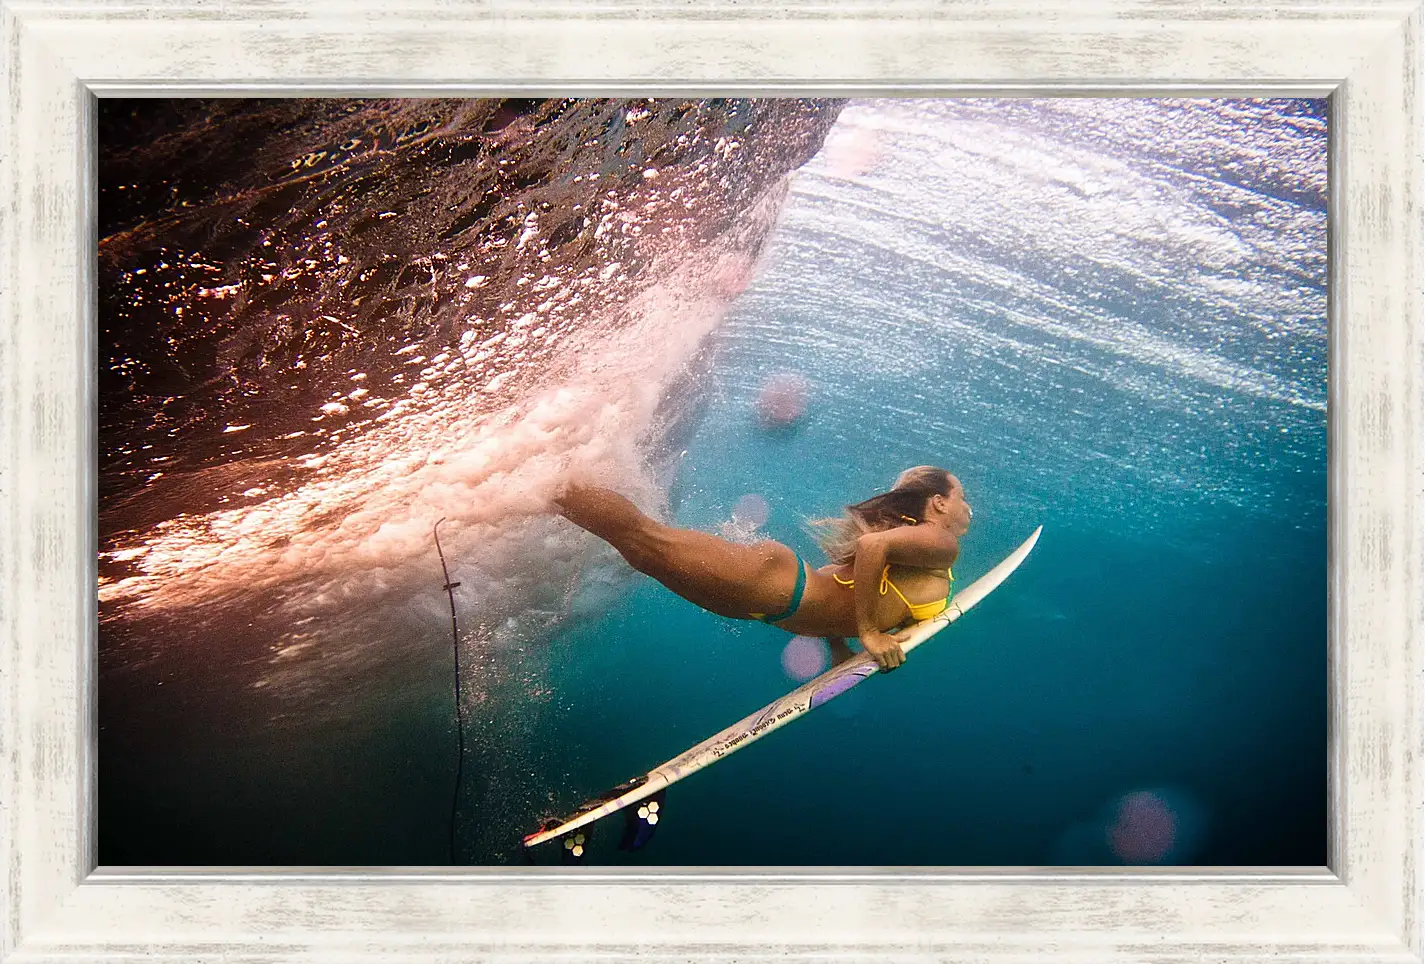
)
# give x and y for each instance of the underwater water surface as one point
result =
(1107, 317)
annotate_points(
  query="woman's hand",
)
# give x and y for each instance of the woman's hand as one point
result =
(885, 647)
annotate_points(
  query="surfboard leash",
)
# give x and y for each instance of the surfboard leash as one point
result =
(449, 588)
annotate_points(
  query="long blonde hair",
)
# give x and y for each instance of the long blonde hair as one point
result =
(903, 505)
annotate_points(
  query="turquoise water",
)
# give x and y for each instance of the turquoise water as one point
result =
(1169, 632)
(1107, 317)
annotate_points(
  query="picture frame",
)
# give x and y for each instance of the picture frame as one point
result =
(58, 56)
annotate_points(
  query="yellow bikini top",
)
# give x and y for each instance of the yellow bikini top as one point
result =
(918, 611)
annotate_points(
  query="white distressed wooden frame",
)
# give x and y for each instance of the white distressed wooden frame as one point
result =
(58, 54)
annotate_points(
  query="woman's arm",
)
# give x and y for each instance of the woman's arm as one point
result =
(926, 546)
(929, 547)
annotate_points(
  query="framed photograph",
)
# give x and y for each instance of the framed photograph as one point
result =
(361, 355)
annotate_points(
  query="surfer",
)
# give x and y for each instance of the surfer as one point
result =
(890, 562)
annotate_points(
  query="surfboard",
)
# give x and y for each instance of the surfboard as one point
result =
(779, 713)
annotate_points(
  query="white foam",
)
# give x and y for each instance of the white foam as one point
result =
(355, 538)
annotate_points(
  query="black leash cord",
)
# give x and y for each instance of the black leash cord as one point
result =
(449, 588)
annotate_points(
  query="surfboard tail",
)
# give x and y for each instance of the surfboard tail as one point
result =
(576, 845)
(641, 821)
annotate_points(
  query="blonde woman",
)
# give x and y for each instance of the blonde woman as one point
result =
(891, 559)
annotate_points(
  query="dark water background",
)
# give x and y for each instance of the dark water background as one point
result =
(1107, 316)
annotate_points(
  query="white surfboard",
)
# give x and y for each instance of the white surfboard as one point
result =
(801, 700)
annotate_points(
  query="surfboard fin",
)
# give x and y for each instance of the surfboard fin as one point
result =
(640, 821)
(573, 847)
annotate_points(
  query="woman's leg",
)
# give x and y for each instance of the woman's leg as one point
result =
(720, 576)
